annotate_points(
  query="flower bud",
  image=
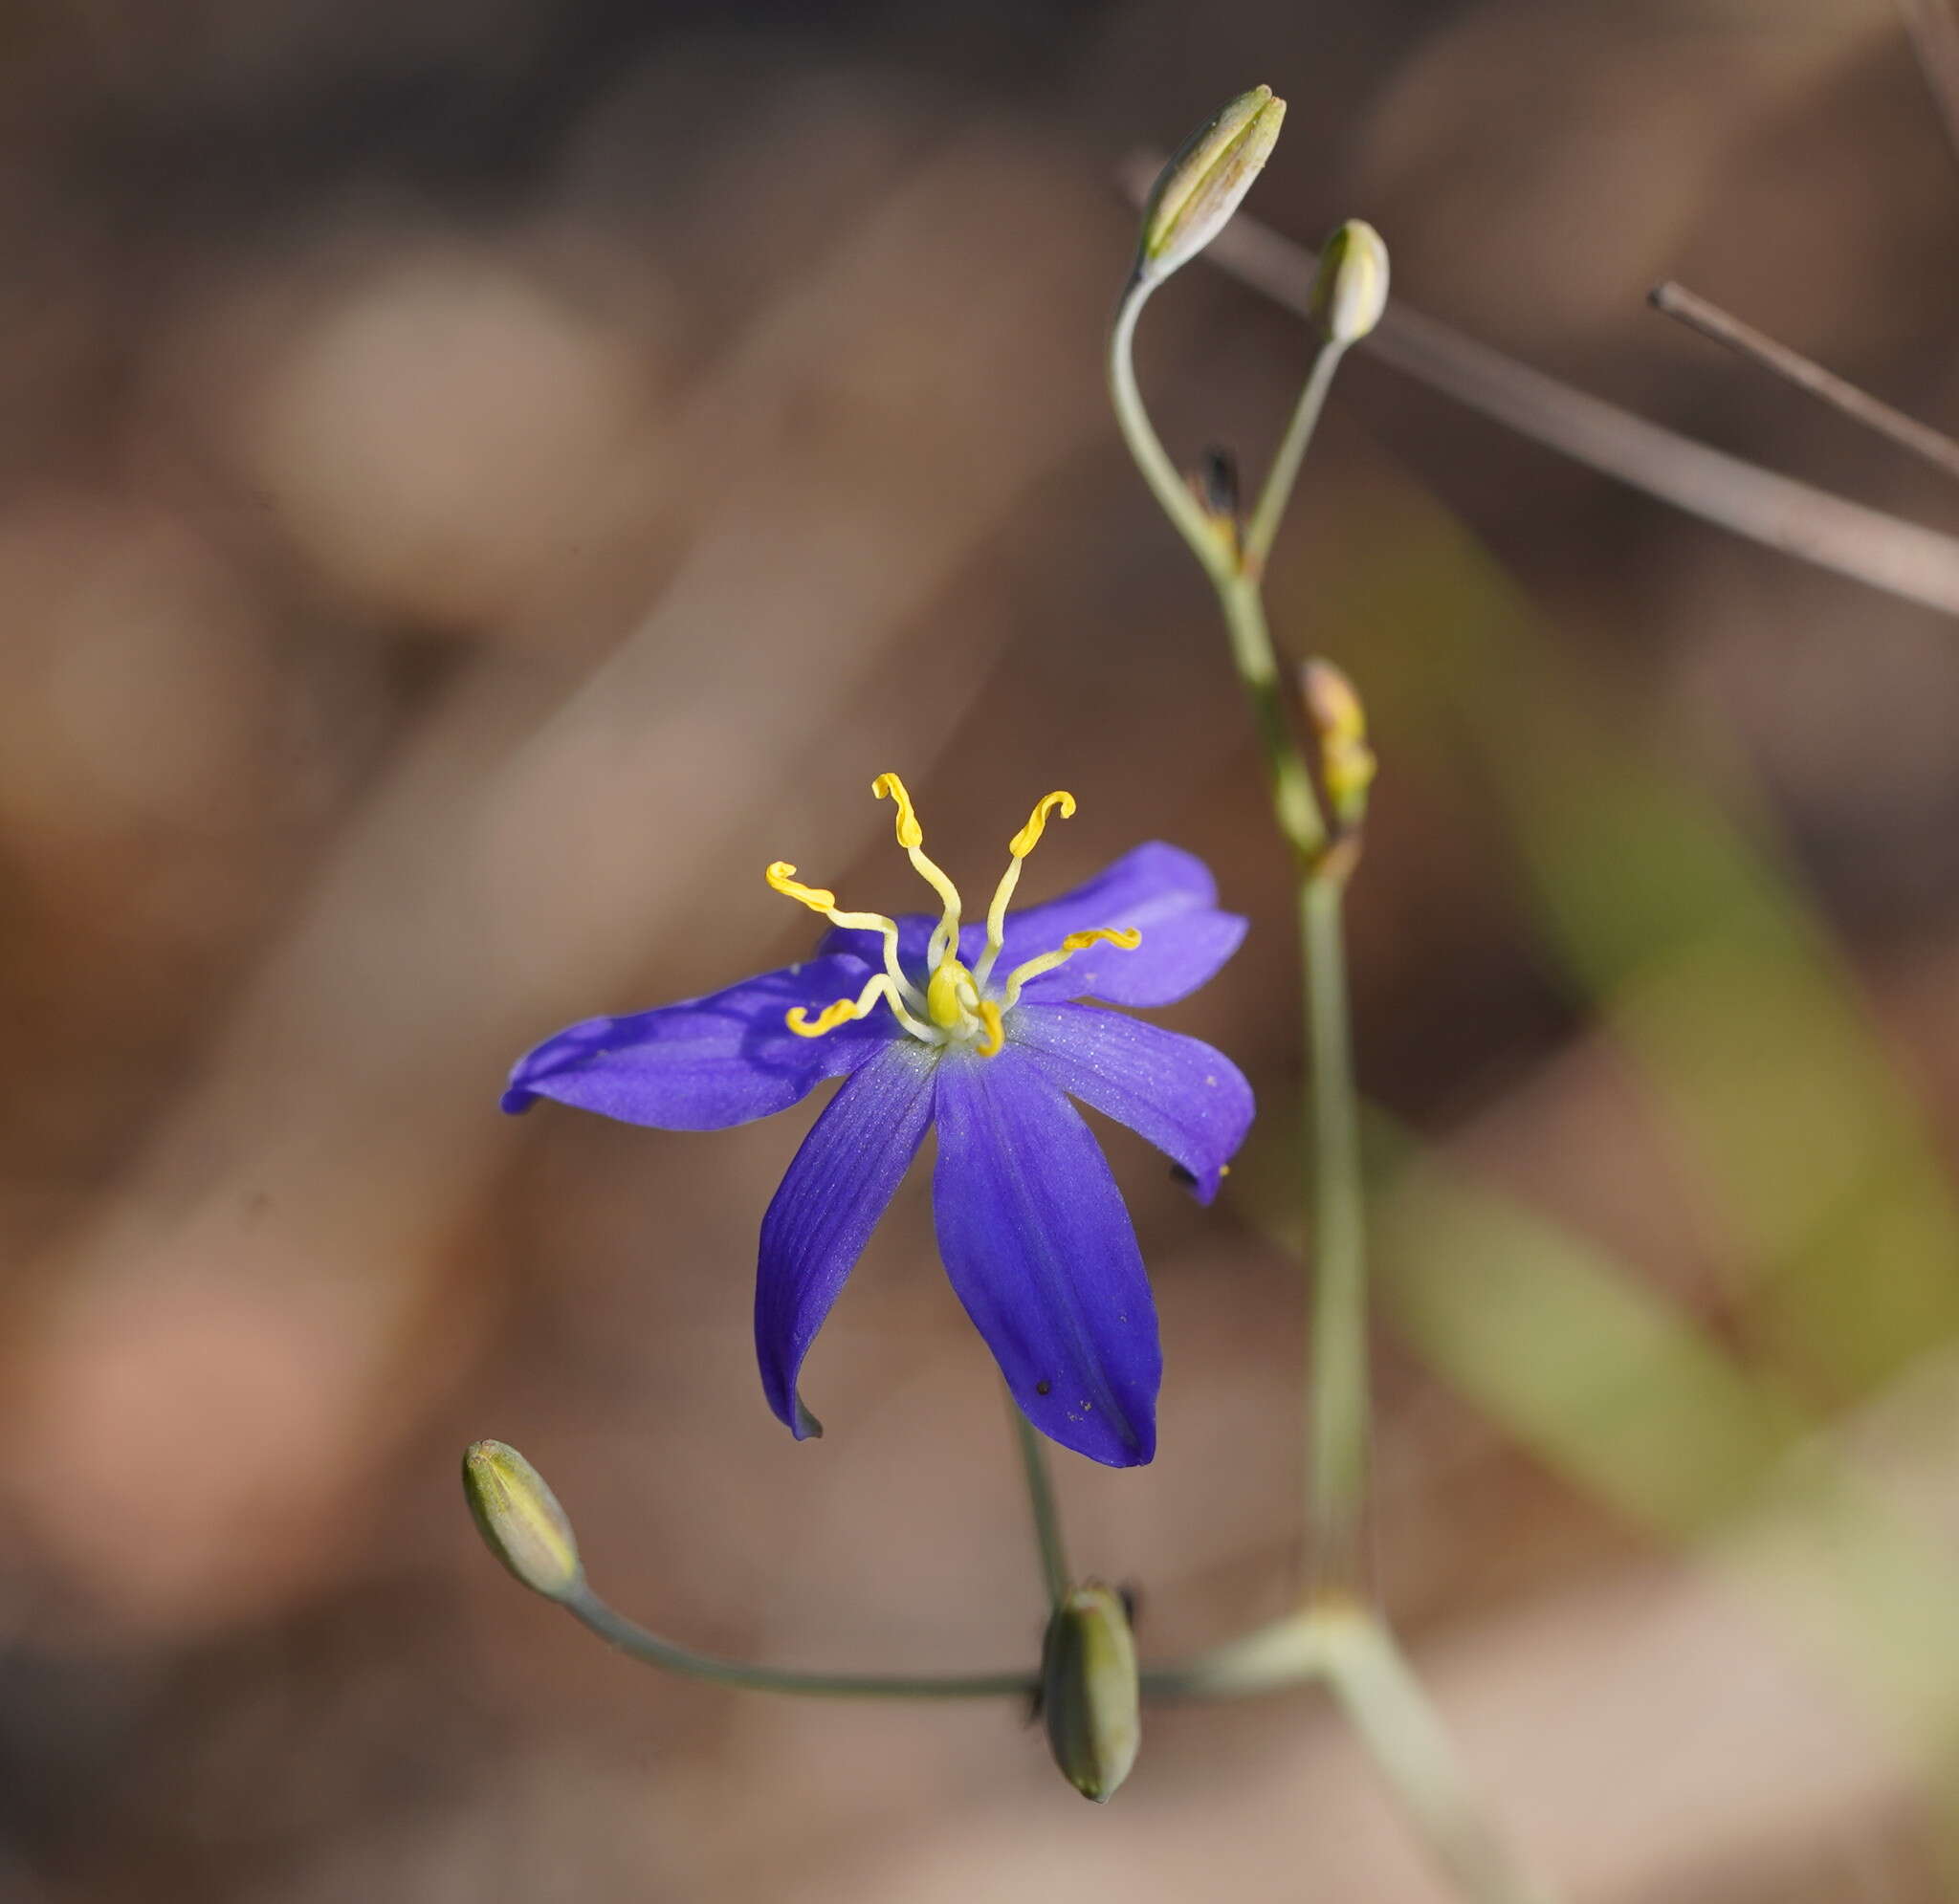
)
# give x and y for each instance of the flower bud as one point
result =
(1202, 186)
(1347, 762)
(1351, 291)
(520, 1520)
(1090, 1694)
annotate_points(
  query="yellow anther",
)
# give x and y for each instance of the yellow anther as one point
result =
(827, 1020)
(1125, 938)
(888, 786)
(780, 877)
(1028, 837)
(996, 1033)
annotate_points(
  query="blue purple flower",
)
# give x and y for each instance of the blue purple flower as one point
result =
(975, 1029)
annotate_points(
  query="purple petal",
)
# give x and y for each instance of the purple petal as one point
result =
(1168, 895)
(1041, 1253)
(828, 1202)
(708, 1062)
(1188, 1099)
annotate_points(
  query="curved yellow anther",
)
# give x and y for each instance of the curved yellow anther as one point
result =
(827, 1020)
(1028, 837)
(996, 1032)
(888, 786)
(1125, 938)
(780, 876)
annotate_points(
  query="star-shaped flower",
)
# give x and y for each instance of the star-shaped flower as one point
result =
(971, 1028)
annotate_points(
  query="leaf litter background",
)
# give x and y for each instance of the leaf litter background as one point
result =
(481, 480)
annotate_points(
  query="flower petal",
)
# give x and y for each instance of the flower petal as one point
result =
(1041, 1253)
(1168, 895)
(828, 1202)
(709, 1062)
(1187, 1099)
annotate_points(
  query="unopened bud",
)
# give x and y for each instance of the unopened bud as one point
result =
(1202, 186)
(1214, 483)
(520, 1520)
(1090, 1694)
(1351, 291)
(1347, 762)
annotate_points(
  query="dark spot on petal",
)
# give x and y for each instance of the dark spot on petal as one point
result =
(1044, 1387)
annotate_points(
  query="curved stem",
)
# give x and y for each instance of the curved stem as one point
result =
(637, 1643)
(1054, 1572)
(1295, 805)
(1275, 1659)
(1147, 447)
(1263, 526)
(1385, 1704)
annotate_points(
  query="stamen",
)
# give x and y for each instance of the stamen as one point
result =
(819, 899)
(1028, 837)
(845, 1009)
(1018, 847)
(1125, 938)
(996, 1032)
(888, 786)
(781, 876)
(945, 935)
(827, 1020)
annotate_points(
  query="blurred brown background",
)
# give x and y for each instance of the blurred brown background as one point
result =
(480, 480)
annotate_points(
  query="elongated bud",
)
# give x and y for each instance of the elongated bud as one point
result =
(520, 1520)
(1351, 291)
(1347, 762)
(1202, 186)
(1089, 1695)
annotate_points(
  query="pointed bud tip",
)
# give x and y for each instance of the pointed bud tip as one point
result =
(1091, 1696)
(1351, 291)
(521, 1521)
(1205, 181)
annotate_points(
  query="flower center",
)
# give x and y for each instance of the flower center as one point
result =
(958, 1006)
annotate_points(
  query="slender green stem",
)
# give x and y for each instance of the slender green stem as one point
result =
(1041, 1499)
(634, 1640)
(1338, 1363)
(1172, 493)
(1295, 805)
(1385, 1704)
(1263, 526)
(1332, 1638)
(1275, 1659)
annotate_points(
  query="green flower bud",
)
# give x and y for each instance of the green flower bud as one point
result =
(1089, 1695)
(1351, 291)
(520, 1520)
(1202, 186)
(1347, 762)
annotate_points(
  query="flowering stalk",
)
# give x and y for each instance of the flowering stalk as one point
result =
(1041, 1500)
(1333, 1636)
(1337, 1388)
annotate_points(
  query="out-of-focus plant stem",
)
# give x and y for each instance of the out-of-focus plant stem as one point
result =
(1335, 1637)
(637, 1643)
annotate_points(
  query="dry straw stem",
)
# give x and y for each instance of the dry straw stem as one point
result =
(1934, 33)
(1865, 544)
(1778, 360)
